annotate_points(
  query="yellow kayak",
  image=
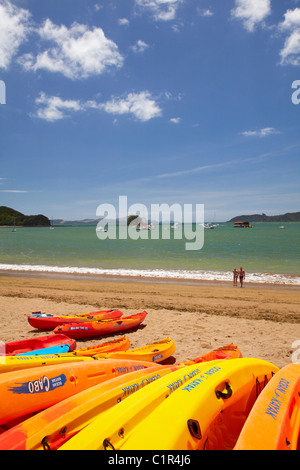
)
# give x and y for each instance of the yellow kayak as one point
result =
(139, 404)
(155, 352)
(12, 363)
(207, 411)
(56, 424)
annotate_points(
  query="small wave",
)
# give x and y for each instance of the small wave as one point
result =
(266, 278)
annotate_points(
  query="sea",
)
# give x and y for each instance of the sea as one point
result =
(267, 252)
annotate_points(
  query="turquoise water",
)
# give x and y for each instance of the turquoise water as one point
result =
(265, 248)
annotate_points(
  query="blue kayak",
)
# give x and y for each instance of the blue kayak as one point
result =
(60, 349)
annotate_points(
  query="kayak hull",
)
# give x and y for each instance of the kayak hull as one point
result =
(27, 345)
(28, 391)
(274, 421)
(155, 353)
(99, 328)
(50, 323)
(119, 344)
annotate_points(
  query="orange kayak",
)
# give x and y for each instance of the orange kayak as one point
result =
(98, 328)
(119, 344)
(26, 391)
(52, 427)
(274, 421)
(225, 352)
(49, 322)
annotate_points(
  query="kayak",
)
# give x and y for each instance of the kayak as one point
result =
(53, 426)
(203, 408)
(225, 352)
(32, 344)
(119, 344)
(76, 315)
(28, 391)
(155, 352)
(98, 328)
(18, 362)
(56, 424)
(274, 421)
(60, 349)
(50, 323)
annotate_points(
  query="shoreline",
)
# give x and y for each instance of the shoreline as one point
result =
(143, 280)
(263, 322)
(285, 281)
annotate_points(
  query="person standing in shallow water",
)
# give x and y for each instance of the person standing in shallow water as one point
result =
(241, 276)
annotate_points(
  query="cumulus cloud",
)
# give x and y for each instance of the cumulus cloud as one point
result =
(76, 52)
(290, 53)
(14, 28)
(140, 105)
(162, 10)
(251, 12)
(53, 108)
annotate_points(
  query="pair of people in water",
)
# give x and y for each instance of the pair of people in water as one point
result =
(238, 275)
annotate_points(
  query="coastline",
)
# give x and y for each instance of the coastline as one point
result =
(263, 321)
(151, 275)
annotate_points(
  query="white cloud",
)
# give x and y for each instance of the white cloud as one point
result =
(266, 131)
(251, 12)
(204, 12)
(14, 27)
(175, 120)
(77, 52)
(12, 191)
(123, 22)
(141, 105)
(290, 53)
(162, 10)
(140, 46)
(291, 20)
(53, 108)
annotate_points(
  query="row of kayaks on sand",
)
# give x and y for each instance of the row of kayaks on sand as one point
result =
(217, 401)
(87, 325)
(109, 396)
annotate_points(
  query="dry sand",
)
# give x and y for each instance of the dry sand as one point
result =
(263, 321)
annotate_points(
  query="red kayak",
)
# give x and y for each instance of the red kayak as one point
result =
(33, 344)
(97, 328)
(42, 322)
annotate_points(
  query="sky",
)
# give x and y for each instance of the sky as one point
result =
(162, 101)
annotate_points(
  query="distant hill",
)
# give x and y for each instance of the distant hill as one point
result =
(11, 217)
(288, 217)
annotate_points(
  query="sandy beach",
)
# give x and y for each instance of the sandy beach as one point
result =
(263, 321)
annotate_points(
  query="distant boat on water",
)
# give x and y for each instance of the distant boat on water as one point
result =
(242, 224)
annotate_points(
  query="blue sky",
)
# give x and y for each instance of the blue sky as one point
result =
(164, 101)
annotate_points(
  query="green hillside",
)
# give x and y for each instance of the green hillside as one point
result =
(11, 217)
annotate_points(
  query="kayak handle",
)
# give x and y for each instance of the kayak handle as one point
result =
(223, 395)
(107, 443)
